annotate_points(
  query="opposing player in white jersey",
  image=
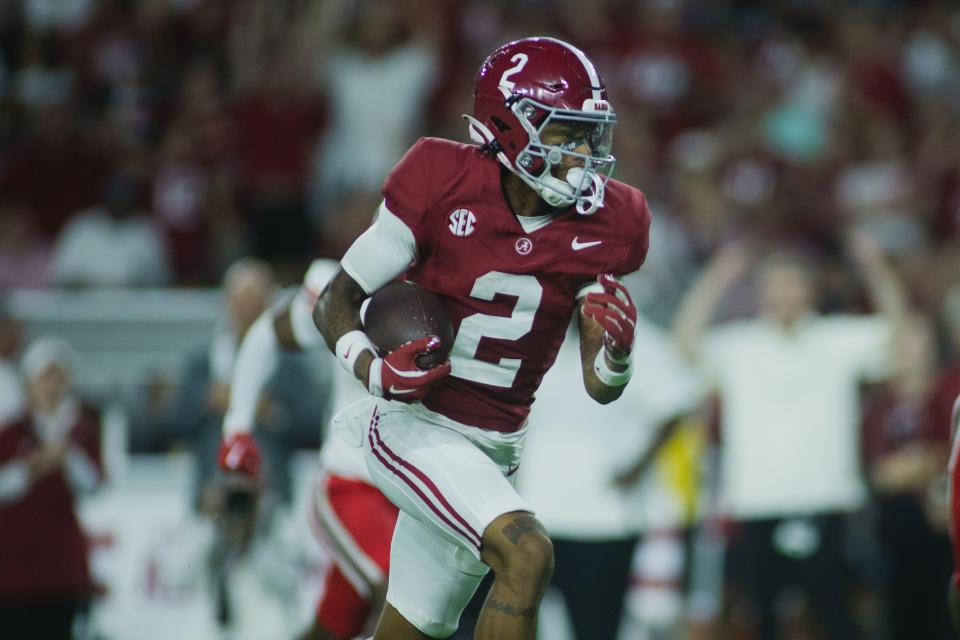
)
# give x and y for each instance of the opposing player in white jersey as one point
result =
(350, 516)
(515, 235)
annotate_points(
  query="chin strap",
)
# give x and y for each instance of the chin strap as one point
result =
(558, 193)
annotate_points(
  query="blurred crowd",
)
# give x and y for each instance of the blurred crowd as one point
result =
(152, 142)
(156, 142)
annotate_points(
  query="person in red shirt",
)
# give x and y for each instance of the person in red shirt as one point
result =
(905, 442)
(47, 455)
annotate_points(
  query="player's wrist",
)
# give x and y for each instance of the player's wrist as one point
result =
(617, 361)
(363, 366)
(350, 348)
(374, 377)
(611, 374)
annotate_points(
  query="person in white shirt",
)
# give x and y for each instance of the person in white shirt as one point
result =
(112, 245)
(790, 421)
(352, 520)
(577, 484)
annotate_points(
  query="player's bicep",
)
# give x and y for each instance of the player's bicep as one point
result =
(337, 310)
(381, 253)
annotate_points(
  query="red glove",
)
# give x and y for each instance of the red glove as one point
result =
(616, 313)
(239, 452)
(396, 376)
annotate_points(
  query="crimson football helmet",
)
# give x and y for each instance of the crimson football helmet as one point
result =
(523, 87)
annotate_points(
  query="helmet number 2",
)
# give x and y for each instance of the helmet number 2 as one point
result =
(528, 292)
(506, 85)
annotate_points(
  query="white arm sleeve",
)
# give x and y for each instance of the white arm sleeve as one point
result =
(255, 365)
(383, 252)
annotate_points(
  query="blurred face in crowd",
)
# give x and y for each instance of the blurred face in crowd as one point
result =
(786, 291)
(48, 388)
(249, 291)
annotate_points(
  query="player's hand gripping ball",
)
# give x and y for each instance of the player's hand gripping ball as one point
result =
(615, 312)
(410, 326)
(401, 378)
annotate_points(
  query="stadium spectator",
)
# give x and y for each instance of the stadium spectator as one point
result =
(276, 115)
(382, 52)
(53, 146)
(790, 446)
(25, 257)
(906, 442)
(112, 245)
(877, 190)
(47, 457)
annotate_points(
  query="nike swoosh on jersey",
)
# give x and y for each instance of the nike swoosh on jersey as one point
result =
(396, 392)
(577, 246)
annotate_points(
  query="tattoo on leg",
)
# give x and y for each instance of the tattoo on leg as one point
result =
(510, 610)
(521, 525)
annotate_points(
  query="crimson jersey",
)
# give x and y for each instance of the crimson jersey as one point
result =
(509, 294)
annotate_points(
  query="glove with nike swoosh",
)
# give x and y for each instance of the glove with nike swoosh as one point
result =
(396, 376)
(616, 313)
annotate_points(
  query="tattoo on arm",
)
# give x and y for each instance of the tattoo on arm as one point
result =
(510, 610)
(521, 525)
(338, 308)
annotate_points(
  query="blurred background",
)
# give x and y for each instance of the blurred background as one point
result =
(168, 167)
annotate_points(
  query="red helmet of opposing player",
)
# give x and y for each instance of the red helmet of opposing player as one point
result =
(523, 87)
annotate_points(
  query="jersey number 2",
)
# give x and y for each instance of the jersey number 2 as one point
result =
(481, 325)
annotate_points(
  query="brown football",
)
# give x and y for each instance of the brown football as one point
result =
(403, 311)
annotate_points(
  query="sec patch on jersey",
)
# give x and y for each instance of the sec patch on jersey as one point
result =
(403, 311)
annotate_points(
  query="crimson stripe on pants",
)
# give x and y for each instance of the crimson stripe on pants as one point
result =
(423, 497)
(425, 480)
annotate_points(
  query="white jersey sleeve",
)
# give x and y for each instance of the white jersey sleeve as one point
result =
(381, 253)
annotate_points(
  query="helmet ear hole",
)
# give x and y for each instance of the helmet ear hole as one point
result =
(499, 124)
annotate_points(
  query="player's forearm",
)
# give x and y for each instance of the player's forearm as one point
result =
(591, 346)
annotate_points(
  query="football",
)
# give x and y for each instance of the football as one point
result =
(403, 311)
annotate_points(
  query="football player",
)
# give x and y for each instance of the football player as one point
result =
(350, 516)
(514, 234)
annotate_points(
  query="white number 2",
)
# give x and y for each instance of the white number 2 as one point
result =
(480, 325)
(506, 85)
